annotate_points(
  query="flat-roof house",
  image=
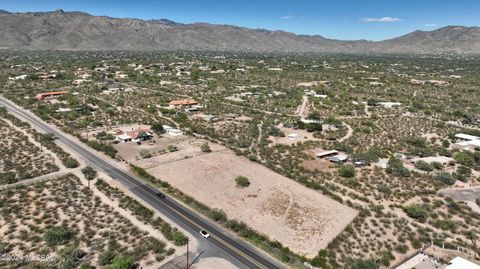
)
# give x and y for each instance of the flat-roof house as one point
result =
(327, 153)
(432, 159)
(308, 121)
(211, 118)
(461, 263)
(466, 137)
(21, 77)
(340, 158)
(172, 131)
(467, 142)
(467, 145)
(292, 136)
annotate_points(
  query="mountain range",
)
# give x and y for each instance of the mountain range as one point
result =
(59, 30)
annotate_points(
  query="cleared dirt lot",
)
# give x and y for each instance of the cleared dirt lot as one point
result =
(298, 217)
(302, 136)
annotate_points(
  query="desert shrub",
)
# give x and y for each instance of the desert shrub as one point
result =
(446, 224)
(70, 257)
(416, 141)
(70, 162)
(396, 168)
(437, 165)
(362, 264)
(217, 215)
(444, 177)
(57, 236)
(145, 153)
(120, 262)
(242, 181)
(107, 149)
(424, 166)
(205, 147)
(463, 173)
(465, 158)
(346, 170)
(106, 257)
(417, 212)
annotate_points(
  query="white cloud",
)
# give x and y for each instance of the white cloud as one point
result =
(430, 25)
(384, 19)
(286, 17)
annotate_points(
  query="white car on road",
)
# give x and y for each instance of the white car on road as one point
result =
(204, 234)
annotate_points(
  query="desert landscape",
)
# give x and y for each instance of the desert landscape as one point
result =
(300, 218)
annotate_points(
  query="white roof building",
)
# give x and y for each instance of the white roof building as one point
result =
(292, 136)
(466, 137)
(172, 131)
(461, 263)
(326, 153)
(440, 159)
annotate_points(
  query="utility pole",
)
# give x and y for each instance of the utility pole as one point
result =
(187, 253)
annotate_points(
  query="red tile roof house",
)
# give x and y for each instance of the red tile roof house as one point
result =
(42, 96)
(182, 103)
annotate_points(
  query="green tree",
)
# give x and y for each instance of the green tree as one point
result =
(158, 128)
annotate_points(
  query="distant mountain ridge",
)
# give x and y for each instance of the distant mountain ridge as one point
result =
(59, 30)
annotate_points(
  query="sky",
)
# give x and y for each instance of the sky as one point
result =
(338, 19)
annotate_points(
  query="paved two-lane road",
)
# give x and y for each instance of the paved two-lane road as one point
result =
(181, 215)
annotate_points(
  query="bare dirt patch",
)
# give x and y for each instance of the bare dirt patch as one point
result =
(301, 136)
(316, 165)
(300, 218)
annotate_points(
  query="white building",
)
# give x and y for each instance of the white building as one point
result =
(467, 142)
(172, 131)
(466, 137)
(461, 263)
(21, 77)
(292, 136)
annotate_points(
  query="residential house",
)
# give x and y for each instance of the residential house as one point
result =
(467, 142)
(186, 103)
(48, 95)
(172, 131)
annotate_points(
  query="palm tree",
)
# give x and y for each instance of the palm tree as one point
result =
(89, 174)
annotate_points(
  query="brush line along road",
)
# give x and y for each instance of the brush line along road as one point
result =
(179, 213)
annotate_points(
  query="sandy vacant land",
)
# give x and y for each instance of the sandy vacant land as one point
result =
(317, 165)
(302, 136)
(298, 217)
